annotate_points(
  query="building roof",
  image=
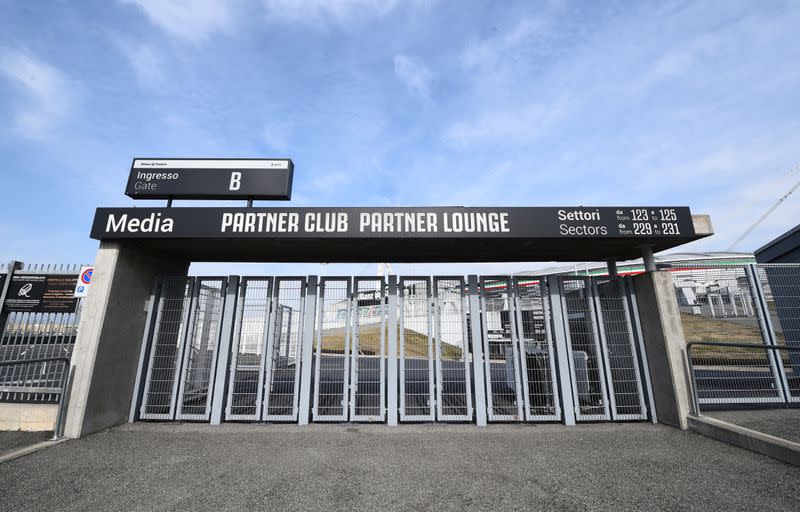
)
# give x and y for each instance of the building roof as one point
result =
(779, 249)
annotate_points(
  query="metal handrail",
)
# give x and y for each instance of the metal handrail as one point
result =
(57, 428)
(692, 344)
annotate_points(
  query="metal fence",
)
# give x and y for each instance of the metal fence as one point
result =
(492, 344)
(733, 317)
(39, 376)
(36, 334)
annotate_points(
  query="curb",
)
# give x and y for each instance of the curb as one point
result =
(753, 440)
(30, 449)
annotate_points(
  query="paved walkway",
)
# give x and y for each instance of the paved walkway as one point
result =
(372, 467)
(783, 423)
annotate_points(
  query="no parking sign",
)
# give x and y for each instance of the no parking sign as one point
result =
(84, 280)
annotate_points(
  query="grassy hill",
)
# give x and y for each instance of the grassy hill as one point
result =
(416, 343)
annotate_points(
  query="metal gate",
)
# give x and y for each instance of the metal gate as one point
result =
(527, 334)
(264, 379)
(183, 357)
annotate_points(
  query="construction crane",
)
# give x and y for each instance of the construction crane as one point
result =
(761, 219)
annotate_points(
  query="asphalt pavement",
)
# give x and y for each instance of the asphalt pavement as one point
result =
(638, 466)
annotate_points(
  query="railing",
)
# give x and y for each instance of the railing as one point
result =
(36, 377)
(742, 373)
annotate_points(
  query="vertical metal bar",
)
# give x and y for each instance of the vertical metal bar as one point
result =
(437, 336)
(467, 353)
(767, 332)
(548, 334)
(150, 324)
(183, 348)
(632, 344)
(566, 374)
(153, 343)
(402, 329)
(306, 310)
(516, 312)
(391, 360)
(515, 346)
(487, 359)
(607, 387)
(273, 328)
(479, 377)
(224, 349)
(306, 353)
(634, 308)
(237, 338)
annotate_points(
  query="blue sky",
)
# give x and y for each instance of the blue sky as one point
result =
(393, 102)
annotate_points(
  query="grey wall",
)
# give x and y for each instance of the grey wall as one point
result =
(663, 336)
(110, 335)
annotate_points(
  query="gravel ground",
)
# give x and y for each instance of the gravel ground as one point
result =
(783, 423)
(421, 467)
(11, 441)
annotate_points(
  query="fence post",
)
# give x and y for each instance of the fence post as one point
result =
(562, 354)
(391, 370)
(637, 329)
(307, 354)
(224, 349)
(12, 266)
(479, 378)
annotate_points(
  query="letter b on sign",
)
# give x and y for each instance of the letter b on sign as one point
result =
(236, 180)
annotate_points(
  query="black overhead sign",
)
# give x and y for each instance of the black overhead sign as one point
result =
(416, 222)
(210, 178)
(417, 234)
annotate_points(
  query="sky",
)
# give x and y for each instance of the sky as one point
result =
(402, 103)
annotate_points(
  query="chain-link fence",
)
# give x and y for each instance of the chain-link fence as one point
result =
(732, 315)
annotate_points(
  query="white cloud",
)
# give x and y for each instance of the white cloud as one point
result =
(508, 125)
(337, 12)
(488, 51)
(145, 61)
(190, 20)
(48, 92)
(415, 75)
(276, 136)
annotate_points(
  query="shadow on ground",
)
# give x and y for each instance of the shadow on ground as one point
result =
(372, 467)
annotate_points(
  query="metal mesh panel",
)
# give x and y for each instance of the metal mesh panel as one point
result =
(623, 365)
(537, 361)
(780, 285)
(332, 350)
(416, 351)
(246, 378)
(283, 377)
(367, 402)
(32, 335)
(165, 353)
(454, 394)
(716, 305)
(586, 358)
(200, 354)
(500, 350)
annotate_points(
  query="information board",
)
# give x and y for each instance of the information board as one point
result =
(220, 178)
(41, 293)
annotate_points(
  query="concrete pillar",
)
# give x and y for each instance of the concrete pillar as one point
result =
(662, 333)
(110, 335)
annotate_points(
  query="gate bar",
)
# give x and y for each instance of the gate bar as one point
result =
(150, 324)
(224, 349)
(391, 359)
(307, 351)
(479, 378)
(642, 359)
(560, 341)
